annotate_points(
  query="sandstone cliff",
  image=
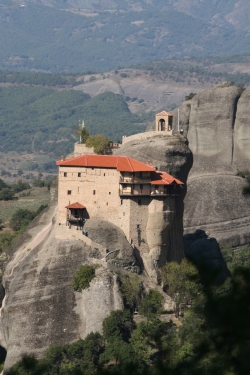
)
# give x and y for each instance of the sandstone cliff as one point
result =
(217, 126)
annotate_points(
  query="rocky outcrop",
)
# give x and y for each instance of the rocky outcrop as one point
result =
(205, 253)
(40, 307)
(219, 138)
(164, 226)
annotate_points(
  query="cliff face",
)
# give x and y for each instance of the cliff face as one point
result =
(40, 307)
(217, 127)
(164, 225)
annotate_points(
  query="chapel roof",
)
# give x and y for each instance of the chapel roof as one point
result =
(120, 163)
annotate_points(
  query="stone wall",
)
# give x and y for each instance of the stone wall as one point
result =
(81, 148)
(146, 135)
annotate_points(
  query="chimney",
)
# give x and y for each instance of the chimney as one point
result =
(62, 158)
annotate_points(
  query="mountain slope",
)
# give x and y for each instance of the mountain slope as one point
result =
(72, 35)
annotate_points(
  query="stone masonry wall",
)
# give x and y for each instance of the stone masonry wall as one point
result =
(81, 148)
(145, 135)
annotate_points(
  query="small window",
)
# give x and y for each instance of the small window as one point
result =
(103, 174)
(78, 189)
(93, 192)
(107, 204)
(139, 202)
(121, 201)
(65, 174)
(93, 169)
(69, 192)
(110, 193)
(123, 213)
(79, 174)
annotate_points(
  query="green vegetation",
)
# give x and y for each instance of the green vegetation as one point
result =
(151, 304)
(190, 96)
(100, 143)
(213, 338)
(131, 290)
(22, 217)
(94, 43)
(7, 192)
(82, 278)
(36, 119)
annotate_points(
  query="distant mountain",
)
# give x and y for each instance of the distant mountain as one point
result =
(99, 35)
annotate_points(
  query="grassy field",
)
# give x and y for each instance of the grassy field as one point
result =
(31, 201)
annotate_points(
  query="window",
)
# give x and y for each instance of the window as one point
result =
(110, 193)
(93, 192)
(107, 204)
(103, 174)
(65, 174)
(139, 202)
(69, 192)
(79, 174)
(121, 201)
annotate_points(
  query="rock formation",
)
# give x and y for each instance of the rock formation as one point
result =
(40, 307)
(217, 127)
(164, 227)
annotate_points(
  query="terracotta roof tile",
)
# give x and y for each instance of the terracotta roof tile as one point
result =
(163, 178)
(75, 205)
(120, 163)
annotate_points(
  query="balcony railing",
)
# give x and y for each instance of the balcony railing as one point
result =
(138, 192)
(133, 180)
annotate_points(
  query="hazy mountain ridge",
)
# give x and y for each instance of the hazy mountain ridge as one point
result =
(77, 35)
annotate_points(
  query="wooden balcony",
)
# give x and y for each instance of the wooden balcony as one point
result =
(134, 180)
(143, 192)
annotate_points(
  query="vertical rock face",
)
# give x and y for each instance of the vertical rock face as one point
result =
(40, 307)
(219, 138)
(241, 157)
(164, 226)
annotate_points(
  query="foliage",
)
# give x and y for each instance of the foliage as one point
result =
(82, 278)
(190, 96)
(22, 217)
(6, 239)
(131, 290)
(40, 119)
(214, 339)
(151, 304)
(7, 192)
(181, 281)
(100, 143)
(82, 133)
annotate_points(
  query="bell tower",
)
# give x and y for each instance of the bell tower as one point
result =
(164, 122)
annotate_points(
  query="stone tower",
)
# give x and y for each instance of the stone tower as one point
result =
(164, 122)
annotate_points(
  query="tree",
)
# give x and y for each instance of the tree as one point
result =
(82, 132)
(151, 304)
(82, 278)
(100, 143)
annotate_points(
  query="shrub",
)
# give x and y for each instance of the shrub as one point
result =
(190, 96)
(131, 289)
(152, 303)
(100, 143)
(82, 278)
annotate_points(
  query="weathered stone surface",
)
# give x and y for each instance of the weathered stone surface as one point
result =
(210, 131)
(220, 145)
(241, 155)
(164, 226)
(205, 253)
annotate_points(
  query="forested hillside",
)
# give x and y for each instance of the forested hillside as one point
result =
(96, 35)
(35, 119)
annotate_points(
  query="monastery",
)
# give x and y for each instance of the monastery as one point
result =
(117, 189)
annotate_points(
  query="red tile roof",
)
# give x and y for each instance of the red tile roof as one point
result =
(75, 205)
(120, 163)
(163, 178)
